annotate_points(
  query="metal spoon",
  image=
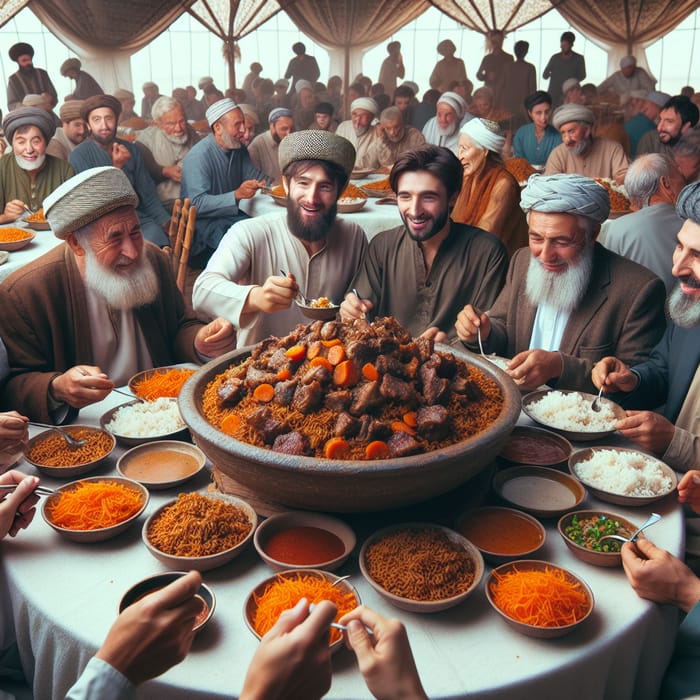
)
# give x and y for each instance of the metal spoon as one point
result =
(70, 441)
(337, 581)
(478, 337)
(595, 406)
(304, 300)
(337, 625)
(131, 396)
(653, 518)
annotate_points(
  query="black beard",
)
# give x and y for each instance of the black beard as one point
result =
(104, 142)
(27, 70)
(309, 232)
(438, 225)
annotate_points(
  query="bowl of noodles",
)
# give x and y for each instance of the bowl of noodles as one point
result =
(401, 462)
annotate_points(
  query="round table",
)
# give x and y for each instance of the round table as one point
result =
(64, 598)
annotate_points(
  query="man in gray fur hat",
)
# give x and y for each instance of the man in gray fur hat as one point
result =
(567, 301)
(262, 264)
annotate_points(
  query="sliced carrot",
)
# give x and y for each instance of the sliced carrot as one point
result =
(264, 393)
(332, 342)
(336, 448)
(377, 450)
(284, 374)
(346, 374)
(336, 354)
(296, 353)
(369, 372)
(410, 418)
(322, 362)
(313, 350)
(231, 423)
(398, 426)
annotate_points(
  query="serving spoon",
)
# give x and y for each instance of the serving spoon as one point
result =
(595, 406)
(653, 518)
(70, 441)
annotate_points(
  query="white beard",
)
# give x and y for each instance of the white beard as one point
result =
(30, 164)
(683, 310)
(178, 140)
(450, 130)
(562, 290)
(126, 291)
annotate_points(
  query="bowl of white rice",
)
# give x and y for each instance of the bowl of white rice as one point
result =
(622, 476)
(136, 422)
(570, 413)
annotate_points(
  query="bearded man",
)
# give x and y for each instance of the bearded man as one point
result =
(582, 153)
(72, 132)
(27, 173)
(394, 137)
(443, 128)
(678, 116)
(103, 148)
(426, 270)
(359, 129)
(164, 146)
(264, 149)
(28, 80)
(262, 264)
(567, 300)
(87, 315)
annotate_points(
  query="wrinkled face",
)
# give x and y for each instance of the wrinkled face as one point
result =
(686, 259)
(361, 119)
(307, 99)
(393, 129)
(76, 130)
(556, 240)
(230, 129)
(174, 123)
(446, 116)
(576, 136)
(29, 145)
(470, 154)
(540, 115)
(311, 203)
(423, 204)
(323, 120)
(103, 125)
(116, 240)
(403, 103)
(675, 181)
(670, 126)
(689, 167)
(650, 110)
(280, 128)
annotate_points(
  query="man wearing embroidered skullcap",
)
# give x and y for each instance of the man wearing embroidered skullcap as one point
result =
(448, 69)
(567, 301)
(678, 115)
(102, 148)
(264, 149)
(423, 272)
(580, 152)
(263, 264)
(85, 85)
(490, 195)
(218, 176)
(28, 79)
(27, 173)
(359, 129)
(394, 137)
(72, 132)
(630, 77)
(87, 315)
(450, 115)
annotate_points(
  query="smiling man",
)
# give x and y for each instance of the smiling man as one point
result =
(262, 264)
(567, 300)
(678, 115)
(426, 270)
(359, 129)
(450, 115)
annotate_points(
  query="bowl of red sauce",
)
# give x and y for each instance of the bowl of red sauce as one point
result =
(304, 540)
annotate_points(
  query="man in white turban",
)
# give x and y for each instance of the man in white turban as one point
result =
(629, 78)
(582, 153)
(443, 129)
(567, 301)
(360, 131)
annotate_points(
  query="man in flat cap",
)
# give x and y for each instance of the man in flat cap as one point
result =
(678, 115)
(87, 315)
(217, 175)
(630, 77)
(424, 271)
(85, 85)
(27, 173)
(451, 114)
(580, 152)
(567, 301)
(263, 264)
(264, 148)
(72, 132)
(448, 69)
(101, 112)
(359, 129)
(28, 79)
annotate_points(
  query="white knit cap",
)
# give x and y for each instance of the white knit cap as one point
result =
(455, 101)
(366, 103)
(484, 133)
(218, 109)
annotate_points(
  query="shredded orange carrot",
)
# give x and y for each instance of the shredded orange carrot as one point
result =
(93, 505)
(287, 590)
(546, 598)
(159, 384)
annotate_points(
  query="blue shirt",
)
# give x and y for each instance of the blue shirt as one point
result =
(525, 144)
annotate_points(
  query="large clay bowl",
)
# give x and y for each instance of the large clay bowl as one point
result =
(347, 486)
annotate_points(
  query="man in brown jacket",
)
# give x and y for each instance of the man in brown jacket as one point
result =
(568, 301)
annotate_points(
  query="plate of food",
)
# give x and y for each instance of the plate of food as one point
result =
(37, 221)
(14, 238)
(139, 421)
(152, 384)
(377, 188)
(319, 308)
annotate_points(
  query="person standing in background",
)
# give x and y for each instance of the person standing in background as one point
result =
(28, 80)
(85, 85)
(392, 68)
(520, 81)
(301, 67)
(447, 69)
(494, 66)
(563, 65)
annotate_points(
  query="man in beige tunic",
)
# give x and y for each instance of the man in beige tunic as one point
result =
(72, 132)
(394, 137)
(264, 148)
(359, 129)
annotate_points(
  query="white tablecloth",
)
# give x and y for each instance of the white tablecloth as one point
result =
(64, 597)
(43, 242)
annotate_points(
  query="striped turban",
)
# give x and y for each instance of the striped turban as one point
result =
(566, 194)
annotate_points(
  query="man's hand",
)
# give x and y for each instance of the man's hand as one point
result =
(13, 431)
(81, 386)
(248, 188)
(216, 338)
(613, 375)
(173, 172)
(532, 368)
(469, 320)
(648, 429)
(120, 154)
(435, 334)
(155, 632)
(13, 210)
(275, 294)
(17, 507)
(352, 307)
(689, 490)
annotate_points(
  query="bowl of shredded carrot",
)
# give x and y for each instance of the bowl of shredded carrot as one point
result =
(152, 384)
(271, 597)
(538, 598)
(95, 508)
(14, 238)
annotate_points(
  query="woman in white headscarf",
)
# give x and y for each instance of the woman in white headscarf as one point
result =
(490, 195)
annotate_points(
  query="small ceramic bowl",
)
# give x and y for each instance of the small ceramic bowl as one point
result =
(352, 206)
(162, 464)
(291, 531)
(250, 606)
(154, 583)
(530, 445)
(531, 630)
(100, 534)
(319, 313)
(174, 433)
(17, 245)
(401, 562)
(210, 561)
(139, 377)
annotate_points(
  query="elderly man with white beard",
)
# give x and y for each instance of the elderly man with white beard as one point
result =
(86, 316)
(567, 301)
(451, 114)
(359, 129)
